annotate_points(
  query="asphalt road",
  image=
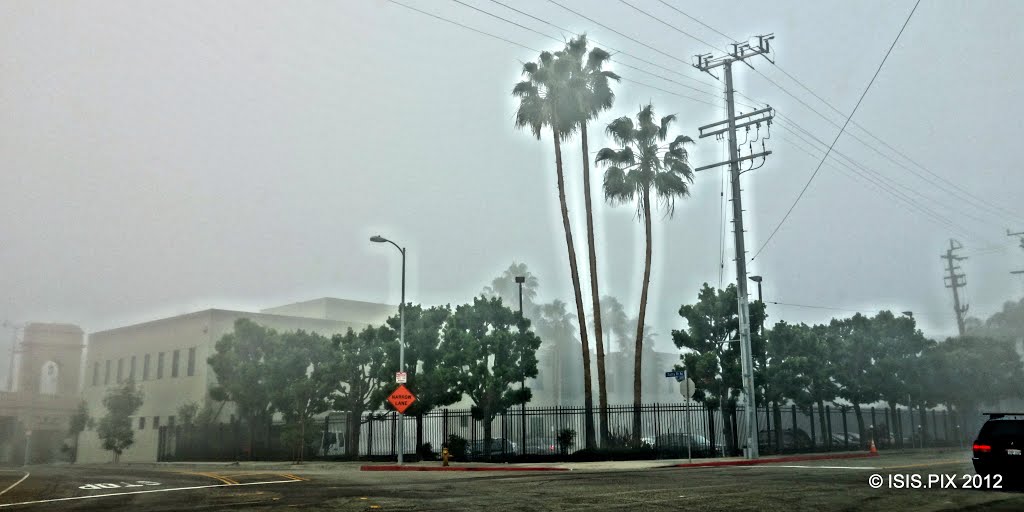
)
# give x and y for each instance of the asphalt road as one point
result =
(818, 485)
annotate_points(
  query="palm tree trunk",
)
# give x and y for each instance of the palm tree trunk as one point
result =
(588, 398)
(638, 355)
(602, 387)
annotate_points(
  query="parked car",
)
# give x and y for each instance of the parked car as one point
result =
(798, 440)
(541, 446)
(500, 447)
(839, 440)
(679, 444)
(998, 448)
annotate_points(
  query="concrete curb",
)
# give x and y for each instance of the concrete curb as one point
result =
(793, 458)
(458, 468)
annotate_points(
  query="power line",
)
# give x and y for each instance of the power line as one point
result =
(974, 199)
(663, 22)
(617, 51)
(854, 111)
(709, 27)
(902, 186)
(467, 27)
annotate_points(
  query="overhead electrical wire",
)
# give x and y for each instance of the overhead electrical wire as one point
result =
(840, 134)
(927, 212)
(959, 190)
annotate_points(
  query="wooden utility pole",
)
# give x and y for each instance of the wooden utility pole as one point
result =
(740, 52)
(956, 281)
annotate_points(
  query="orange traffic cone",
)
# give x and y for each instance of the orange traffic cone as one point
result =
(873, 450)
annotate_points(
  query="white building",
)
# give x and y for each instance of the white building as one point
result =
(167, 358)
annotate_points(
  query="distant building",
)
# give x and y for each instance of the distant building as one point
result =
(167, 359)
(34, 416)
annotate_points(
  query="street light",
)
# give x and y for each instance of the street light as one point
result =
(757, 279)
(522, 385)
(909, 313)
(401, 341)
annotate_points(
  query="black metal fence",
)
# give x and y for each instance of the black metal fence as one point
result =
(667, 430)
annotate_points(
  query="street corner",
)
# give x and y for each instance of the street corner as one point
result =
(48, 486)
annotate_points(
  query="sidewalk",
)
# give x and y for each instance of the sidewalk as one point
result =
(620, 465)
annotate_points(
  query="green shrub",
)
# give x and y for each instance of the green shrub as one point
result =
(565, 438)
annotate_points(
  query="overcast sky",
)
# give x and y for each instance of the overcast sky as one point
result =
(160, 158)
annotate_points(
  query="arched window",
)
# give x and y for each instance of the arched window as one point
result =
(48, 379)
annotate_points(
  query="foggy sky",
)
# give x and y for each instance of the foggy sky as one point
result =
(161, 158)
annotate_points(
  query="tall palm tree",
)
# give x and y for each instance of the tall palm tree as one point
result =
(592, 85)
(546, 100)
(615, 321)
(637, 169)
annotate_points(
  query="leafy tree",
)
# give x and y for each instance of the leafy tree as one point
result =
(897, 370)
(358, 366)
(115, 429)
(80, 420)
(191, 415)
(431, 382)
(592, 86)
(712, 357)
(855, 346)
(963, 366)
(636, 170)
(242, 371)
(300, 380)
(784, 373)
(490, 348)
(548, 99)
(506, 288)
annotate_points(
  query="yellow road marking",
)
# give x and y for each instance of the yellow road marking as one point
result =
(293, 477)
(219, 478)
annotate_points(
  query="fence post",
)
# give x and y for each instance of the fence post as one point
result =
(846, 431)
(394, 433)
(792, 411)
(711, 432)
(874, 426)
(814, 437)
(828, 423)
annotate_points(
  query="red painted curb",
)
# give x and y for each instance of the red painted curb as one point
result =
(455, 468)
(794, 458)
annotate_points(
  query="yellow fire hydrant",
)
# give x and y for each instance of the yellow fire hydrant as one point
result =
(444, 456)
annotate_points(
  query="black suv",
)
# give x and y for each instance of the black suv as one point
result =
(998, 447)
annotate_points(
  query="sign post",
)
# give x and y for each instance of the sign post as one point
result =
(686, 389)
(28, 446)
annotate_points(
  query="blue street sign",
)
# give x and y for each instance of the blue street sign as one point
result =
(680, 375)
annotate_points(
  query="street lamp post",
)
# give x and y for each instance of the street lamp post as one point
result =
(401, 343)
(758, 279)
(522, 385)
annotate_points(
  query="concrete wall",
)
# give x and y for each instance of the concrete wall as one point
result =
(163, 395)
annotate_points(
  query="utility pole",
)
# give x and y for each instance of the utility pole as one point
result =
(956, 281)
(1021, 236)
(740, 52)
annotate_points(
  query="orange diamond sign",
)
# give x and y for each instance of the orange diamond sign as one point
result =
(401, 399)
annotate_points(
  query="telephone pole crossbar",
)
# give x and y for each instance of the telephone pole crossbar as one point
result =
(740, 52)
(1021, 236)
(955, 281)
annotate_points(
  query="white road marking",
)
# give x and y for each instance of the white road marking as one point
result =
(2, 505)
(15, 483)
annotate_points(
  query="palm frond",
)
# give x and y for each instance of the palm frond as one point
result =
(616, 187)
(668, 186)
(665, 123)
(621, 130)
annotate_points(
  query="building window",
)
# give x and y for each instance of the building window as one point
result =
(96, 374)
(160, 365)
(156, 422)
(175, 359)
(142, 423)
(191, 361)
(131, 370)
(120, 370)
(145, 367)
(170, 421)
(106, 374)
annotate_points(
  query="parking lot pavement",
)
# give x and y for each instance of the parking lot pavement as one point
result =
(819, 485)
